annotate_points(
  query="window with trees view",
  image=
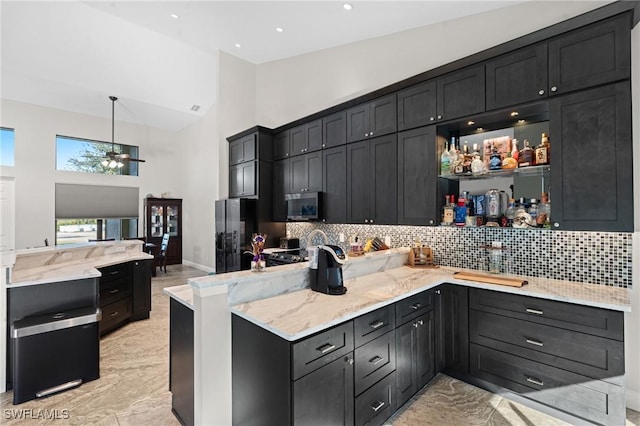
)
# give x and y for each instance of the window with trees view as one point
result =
(84, 155)
(7, 140)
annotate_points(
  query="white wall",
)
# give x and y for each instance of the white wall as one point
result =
(293, 88)
(35, 163)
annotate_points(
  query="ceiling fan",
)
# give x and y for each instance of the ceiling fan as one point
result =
(113, 159)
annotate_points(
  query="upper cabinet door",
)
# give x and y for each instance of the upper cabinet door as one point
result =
(334, 184)
(590, 56)
(417, 106)
(243, 149)
(461, 93)
(517, 77)
(383, 117)
(592, 160)
(358, 123)
(298, 140)
(281, 146)
(334, 132)
(314, 135)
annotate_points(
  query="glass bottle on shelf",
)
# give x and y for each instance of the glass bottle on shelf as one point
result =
(509, 162)
(477, 165)
(533, 210)
(495, 161)
(460, 212)
(526, 156)
(448, 211)
(510, 212)
(542, 150)
(453, 153)
(445, 161)
(514, 149)
(466, 164)
(544, 212)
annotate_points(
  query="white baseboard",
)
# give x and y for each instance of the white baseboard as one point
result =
(633, 399)
(197, 266)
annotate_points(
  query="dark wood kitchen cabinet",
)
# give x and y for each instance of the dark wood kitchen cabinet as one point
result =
(306, 138)
(452, 329)
(281, 186)
(252, 178)
(415, 357)
(372, 181)
(517, 77)
(164, 216)
(334, 130)
(461, 93)
(181, 359)
(242, 180)
(592, 160)
(417, 177)
(281, 145)
(586, 57)
(141, 289)
(417, 106)
(334, 184)
(243, 149)
(306, 172)
(375, 118)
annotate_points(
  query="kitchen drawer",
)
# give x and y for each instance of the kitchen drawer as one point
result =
(581, 353)
(585, 319)
(414, 306)
(114, 314)
(114, 291)
(374, 324)
(375, 405)
(316, 351)
(581, 396)
(114, 272)
(374, 360)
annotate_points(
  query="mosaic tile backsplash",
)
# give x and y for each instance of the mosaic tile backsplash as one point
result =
(592, 257)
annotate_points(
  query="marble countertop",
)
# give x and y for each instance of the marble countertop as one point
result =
(295, 315)
(75, 262)
(181, 293)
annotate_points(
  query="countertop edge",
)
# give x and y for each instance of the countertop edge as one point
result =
(180, 293)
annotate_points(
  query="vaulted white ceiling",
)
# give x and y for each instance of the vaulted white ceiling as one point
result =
(72, 55)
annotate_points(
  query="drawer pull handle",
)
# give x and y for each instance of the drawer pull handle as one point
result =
(376, 360)
(535, 311)
(535, 342)
(376, 324)
(114, 291)
(535, 381)
(378, 406)
(416, 306)
(114, 272)
(420, 322)
(113, 314)
(326, 348)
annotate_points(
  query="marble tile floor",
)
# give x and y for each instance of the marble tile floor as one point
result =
(133, 388)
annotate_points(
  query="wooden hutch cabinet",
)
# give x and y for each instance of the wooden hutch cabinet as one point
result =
(164, 215)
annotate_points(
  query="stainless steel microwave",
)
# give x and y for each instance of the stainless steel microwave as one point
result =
(304, 206)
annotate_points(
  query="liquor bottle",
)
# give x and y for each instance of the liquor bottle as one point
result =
(448, 215)
(509, 162)
(495, 161)
(526, 156)
(514, 149)
(453, 153)
(466, 164)
(542, 151)
(544, 212)
(460, 212)
(445, 161)
(533, 211)
(477, 165)
(471, 208)
(510, 212)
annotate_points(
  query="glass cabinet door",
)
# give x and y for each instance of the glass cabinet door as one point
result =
(157, 220)
(172, 220)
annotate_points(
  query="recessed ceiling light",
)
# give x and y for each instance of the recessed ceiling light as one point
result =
(174, 16)
(278, 29)
(238, 45)
(347, 6)
(514, 114)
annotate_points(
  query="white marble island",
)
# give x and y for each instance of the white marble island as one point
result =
(279, 301)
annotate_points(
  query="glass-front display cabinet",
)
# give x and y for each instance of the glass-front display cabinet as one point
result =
(164, 216)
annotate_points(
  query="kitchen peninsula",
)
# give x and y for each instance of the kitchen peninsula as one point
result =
(114, 276)
(456, 313)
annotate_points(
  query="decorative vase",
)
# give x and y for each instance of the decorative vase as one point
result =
(258, 266)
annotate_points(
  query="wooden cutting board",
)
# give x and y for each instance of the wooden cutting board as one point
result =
(491, 279)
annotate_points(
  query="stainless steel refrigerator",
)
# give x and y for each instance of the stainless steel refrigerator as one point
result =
(237, 219)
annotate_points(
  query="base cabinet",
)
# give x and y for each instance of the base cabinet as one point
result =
(452, 325)
(181, 358)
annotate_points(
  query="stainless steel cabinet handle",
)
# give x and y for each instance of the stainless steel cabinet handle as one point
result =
(114, 291)
(420, 322)
(534, 342)
(541, 92)
(376, 359)
(370, 220)
(535, 311)
(376, 324)
(431, 222)
(416, 306)
(415, 325)
(535, 381)
(439, 117)
(366, 135)
(349, 360)
(114, 272)
(554, 89)
(366, 221)
(324, 145)
(113, 314)
(326, 348)
(438, 291)
(370, 133)
(432, 118)
(377, 406)
(286, 155)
